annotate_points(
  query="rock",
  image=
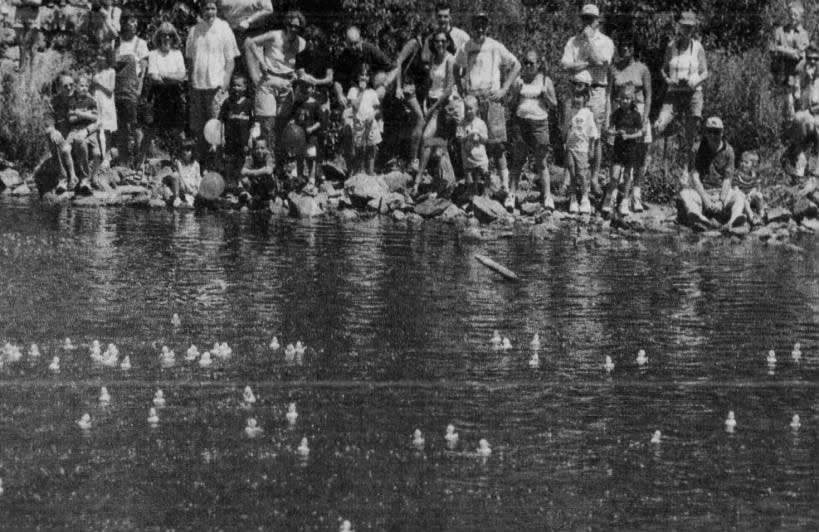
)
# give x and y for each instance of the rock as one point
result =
(379, 205)
(397, 181)
(363, 188)
(778, 214)
(530, 208)
(432, 207)
(527, 196)
(334, 171)
(10, 179)
(156, 203)
(811, 224)
(329, 189)
(453, 212)
(414, 218)
(488, 210)
(398, 215)
(348, 215)
(303, 206)
(21, 190)
(395, 200)
(46, 175)
(804, 208)
(473, 233)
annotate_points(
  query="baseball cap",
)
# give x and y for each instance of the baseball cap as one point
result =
(582, 77)
(688, 18)
(481, 15)
(590, 10)
(714, 122)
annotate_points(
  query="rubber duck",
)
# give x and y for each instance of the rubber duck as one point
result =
(303, 449)
(496, 340)
(110, 357)
(253, 429)
(418, 438)
(346, 526)
(795, 422)
(159, 399)
(167, 357)
(125, 365)
(771, 358)
(484, 450)
(12, 352)
(274, 344)
(248, 397)
(534, 362)
(153, 418)
(205, 361)
(67, 345)
(506, 344)
(34, 351)
(225, 351)
(192, 353)
(95, 350)
(84, 422)
(55, 365)
(299, 348)
(642, 358)
(289, 352)
(216, 350)
(609, 365)
(105, 397)
(535, 343)
(796, 354)
(730, 422)
(451, 436)
(175, 321)
(655, 438)
(291, 415)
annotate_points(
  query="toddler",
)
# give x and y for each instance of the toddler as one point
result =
(473, 135)
(580, 130)
(187, 177)
(627, 133)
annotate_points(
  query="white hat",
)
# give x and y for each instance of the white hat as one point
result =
(714, 122)
(582, 77)
(590, 10)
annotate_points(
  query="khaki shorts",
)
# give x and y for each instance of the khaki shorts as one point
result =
(599, 106)
(679, 104)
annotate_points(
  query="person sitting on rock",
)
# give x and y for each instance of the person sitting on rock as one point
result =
(747, 178)
(709, 198)
(258, 180)
(186, 179)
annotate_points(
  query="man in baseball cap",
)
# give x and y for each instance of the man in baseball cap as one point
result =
(591, 50)
(709, 199)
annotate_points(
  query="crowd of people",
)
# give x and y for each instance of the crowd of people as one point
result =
(267, 108)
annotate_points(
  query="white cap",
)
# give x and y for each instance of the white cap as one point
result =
(582, 77)
(590, 10)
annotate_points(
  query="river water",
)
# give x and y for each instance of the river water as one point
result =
(397, 321)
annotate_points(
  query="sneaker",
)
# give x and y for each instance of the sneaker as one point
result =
(509, 202)
(62, 186)
(636, 201)
(573, 208)
(176, 202)
(624, 210)
(84, 188)
(609, 202)
(585, 205)
(245, 197)
(549, 204)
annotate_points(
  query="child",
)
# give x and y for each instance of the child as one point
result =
(237, 116)
(367, 123)
(131, 64)
(309, 118)
(473, 135)
(626, 131)
(747, 179)
(104, 81)
(185, 181)
(258, 182)
(579, 132)
(83, 119)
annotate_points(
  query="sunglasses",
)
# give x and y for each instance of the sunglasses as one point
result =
(439, 41)
(713, 131)
(529, 63)
(295, 27)
(813, 58)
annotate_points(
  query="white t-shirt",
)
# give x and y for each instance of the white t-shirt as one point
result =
(235, 11)
(210, 47)
(475, 151)
(440, 77)
(483, 63)
(164, 65)
(582, 129)
(105, 103)
(136, 47)
(280, 55)
(580, 49)
(531, 105)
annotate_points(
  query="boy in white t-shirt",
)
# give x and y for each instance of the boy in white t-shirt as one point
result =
(473, 135)
(580, 131)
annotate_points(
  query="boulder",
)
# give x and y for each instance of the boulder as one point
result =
(363, 188)
(379, 205)
(432, 207)
(46, 175)
(334, 171)
(329, 189)
(303, 206)
(348, 215)
(395, 200)
(414, 218)
(488, 210)
(778, 214)
(811, 224)
(452, 213)
(278, 208)
(398, 215)
(397, 181)
(21, 190)
(530, 208)
(804, 208)
(10, 179)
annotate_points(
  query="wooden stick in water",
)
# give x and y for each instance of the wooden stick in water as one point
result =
(492, 265)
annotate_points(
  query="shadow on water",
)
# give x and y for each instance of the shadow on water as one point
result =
(397, 321)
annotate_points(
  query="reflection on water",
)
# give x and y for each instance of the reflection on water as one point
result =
(397, 321)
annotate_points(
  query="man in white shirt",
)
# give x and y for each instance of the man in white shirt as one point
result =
(482, 60)
(591, 50)
(210, 51)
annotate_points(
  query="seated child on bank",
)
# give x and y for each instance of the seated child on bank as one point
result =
(627, 131)
(236, 115)
(747, 180)
(258, 181)
(187, 177)
(473, 135)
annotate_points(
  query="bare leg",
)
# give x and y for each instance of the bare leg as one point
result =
(418, 128)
